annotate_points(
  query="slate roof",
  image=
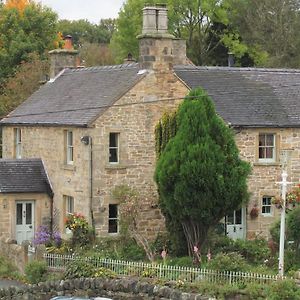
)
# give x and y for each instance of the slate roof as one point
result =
(249, 97)
(245, 97)
(76, 97)
(24, 176)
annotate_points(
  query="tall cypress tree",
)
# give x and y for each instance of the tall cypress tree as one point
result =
(199, 174)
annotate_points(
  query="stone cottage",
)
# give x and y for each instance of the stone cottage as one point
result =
(93, 129)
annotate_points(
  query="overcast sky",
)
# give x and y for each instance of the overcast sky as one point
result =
(92, 10)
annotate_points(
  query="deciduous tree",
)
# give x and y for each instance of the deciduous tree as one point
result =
(26, 80)
(199, 174)
(22, 33)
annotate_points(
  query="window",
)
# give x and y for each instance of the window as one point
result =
(266, 205)
(266, 148)
(114, 148)
(69, 148)
(113, 218)
(69, 202)
(18, 142)
(69, 208)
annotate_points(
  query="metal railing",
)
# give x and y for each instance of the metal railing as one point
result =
(59, 262)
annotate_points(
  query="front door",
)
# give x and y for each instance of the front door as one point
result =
(235, 224)
(24, 221)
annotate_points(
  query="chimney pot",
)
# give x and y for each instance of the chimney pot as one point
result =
(68, 42)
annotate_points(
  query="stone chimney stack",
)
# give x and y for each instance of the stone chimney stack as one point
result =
(63, 58)
(159, 50)
(156, 44)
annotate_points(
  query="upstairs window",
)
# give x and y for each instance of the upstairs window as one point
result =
(18, 143)
(266, 148)
(114, 148)
(266, 206)
(113, 218)
(69, 148)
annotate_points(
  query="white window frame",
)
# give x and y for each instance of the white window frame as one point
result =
(18, 142)
(113, 218)
(265, 206)
(69, 147)
(69, 208)
(117, 147)
(265, 147)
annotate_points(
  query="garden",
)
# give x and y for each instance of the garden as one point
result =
(103, 257)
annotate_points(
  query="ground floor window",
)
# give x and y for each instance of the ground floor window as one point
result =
(113, 218)
(266, 207)
(69, 207)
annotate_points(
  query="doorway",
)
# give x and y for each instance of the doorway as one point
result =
(235, 224)
(24, 221)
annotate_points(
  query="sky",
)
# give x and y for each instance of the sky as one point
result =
(92, 10)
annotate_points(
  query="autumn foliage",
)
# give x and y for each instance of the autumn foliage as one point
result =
(18, 4)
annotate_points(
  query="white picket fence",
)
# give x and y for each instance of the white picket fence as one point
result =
(59, 262)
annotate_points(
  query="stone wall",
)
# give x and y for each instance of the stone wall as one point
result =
(17, 254)
(264, 178)
(8, 208)
(132, 289)
(135, 124)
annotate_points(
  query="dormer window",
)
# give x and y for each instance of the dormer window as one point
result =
(266, 147)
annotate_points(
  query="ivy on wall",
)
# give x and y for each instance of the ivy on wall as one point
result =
(165, 129)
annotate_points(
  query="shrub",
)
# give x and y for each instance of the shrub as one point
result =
(231, 261)
(43, 236)
(275, 231)
(254, 251)
(118, 248)
(185, 261)
(104, 273)
(79, 268)
(35, 271)
(82, 233)
(255, 291)
(293, 225)
(7, 270)
(283, 289)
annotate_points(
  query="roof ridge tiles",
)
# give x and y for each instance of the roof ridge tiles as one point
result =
(100, 68)
(237, 69)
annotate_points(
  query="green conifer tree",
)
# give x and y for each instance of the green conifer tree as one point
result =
(199, 174)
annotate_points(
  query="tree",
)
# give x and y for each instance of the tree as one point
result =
(27, 80)
(18, 4)
(96, 55)
(195, 21)
(131, 205)
(199, 174)
(83, 31)
(269, 30)
(22, 33)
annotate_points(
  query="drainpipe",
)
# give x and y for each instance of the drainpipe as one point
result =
(87, 140)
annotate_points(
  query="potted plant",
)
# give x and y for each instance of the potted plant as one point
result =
(254, 212)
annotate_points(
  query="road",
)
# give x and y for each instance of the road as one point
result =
(5, 283)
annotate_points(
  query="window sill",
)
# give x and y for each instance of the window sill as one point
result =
(267, 215)
(265, 163)
(68, 167)
(115, 167)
